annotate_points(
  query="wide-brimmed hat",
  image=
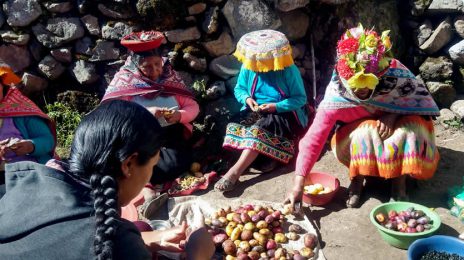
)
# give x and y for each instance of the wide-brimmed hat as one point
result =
(143, 41)
(264, 50)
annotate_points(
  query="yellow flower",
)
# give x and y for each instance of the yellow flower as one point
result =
(386, 41)
(371, 41)
(361, 80)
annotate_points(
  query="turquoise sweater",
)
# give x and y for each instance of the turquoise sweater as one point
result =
(268, 88)
(35, 129)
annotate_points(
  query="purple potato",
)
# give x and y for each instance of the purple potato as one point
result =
(390, 225)
(412, 223)
(420, 228)
(423, 220)
(427, 226)
(269, 219)
(271, 252)
(410, 230)
(255, 218)
(420, 213)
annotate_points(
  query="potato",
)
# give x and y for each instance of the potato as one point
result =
(258, 249)
(269, 219)
(236, 218)
(245, 218)
(208, 221)
(249, 226)
(257, 208)
(229, 216)
(307, 252)
(236, 233)
(219, 238)
(310, 240)
(246, 235)
(229, 230)
(222, 213)
(271, 253)
(216, 223)
(296, 228)
(271, 244)
(253, 242)
(264, 256)
(243, 257)
(265, 232)
(276, 214)
(261, 224)
(276, 223)
(245, 246)
(230, 257)
(280, 252)
(299, 257)
(228, 209)
(251, 213)
(262, 240)
(292, 236)
(288, 209)
(253, 255)
(229, 247)
(280, 238)
(255, 218)
(277, 230)
(236, 242)
(223, 221)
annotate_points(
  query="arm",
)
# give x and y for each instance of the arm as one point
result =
(297, 95)
(241, 89)
(38, 133)
(188, 109)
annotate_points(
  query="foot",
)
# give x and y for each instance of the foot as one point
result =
(398, 189)
(224, 185)
(354, 194)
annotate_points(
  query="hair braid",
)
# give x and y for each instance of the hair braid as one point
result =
(104, 190)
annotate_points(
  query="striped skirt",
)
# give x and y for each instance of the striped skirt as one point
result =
(411, 150)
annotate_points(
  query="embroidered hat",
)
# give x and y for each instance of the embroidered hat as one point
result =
(264, 50)
(143, 41)
(362, 57)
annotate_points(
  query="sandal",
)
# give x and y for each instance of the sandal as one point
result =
(354, 195)
(150, 207)
(227, 185)
(354, 200)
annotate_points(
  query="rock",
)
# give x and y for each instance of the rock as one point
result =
(77, 100)
(294, 24)
(62, 7)
(424, 32)
(419, 6)
(436, 69)
(198, 64)
(444, 94)
(458, 108)
(21, 13)
(16, 56)
(2, 18)
(225, 66)
(459, 25)
(84, 72)
(247, 16)
(33, 84)
(58, 31)
(222, 110)
(191, 19)
(446, 6)
(50, 67)
(113, 13)
(185, 35)
(84, 46)
(36, 49)
(115, 31)
(12, 37)
(197, 8)
(186, 78)
(104, 50)
(456, 52)
(440, 37)
(216, 90)
(62, 54)
(222, 46)
(211, 23)
(335, 2)
(289, 5)
(231, 83)
(91, 23)
(298, 51)
(446, 116)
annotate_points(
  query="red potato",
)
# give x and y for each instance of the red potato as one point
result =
(218, 239)
(310, 241)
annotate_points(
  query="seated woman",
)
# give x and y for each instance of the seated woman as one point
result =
(149, 80)
(273, 98)
(74, 213)
(26, 133)
(385, 113)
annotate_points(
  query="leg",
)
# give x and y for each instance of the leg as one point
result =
(355, 190)
(228, 180)
(398, 191)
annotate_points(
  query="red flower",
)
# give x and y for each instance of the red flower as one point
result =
(343, 69)
(347, 46)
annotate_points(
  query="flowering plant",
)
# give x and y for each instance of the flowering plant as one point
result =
(362, 56)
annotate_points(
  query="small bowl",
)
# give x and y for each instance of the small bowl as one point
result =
(159, 224)
(400, 239)
(448, 244)
(326, 180)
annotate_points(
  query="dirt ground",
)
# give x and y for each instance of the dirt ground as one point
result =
(348, 233)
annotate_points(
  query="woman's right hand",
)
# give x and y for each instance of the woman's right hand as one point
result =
(252, 104)
(296, 194)
(156, 111)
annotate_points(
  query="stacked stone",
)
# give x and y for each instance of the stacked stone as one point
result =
(439, 49)
(64, 44)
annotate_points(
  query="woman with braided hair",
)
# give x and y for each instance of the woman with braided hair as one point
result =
(70, 210)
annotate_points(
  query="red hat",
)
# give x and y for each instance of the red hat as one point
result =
(143, 41)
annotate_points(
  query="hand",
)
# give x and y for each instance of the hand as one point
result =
(297, 192)
(172, 237)
(3, 149)
(385, 125)
(156, 111)
(268, 108)
(22, 147)
(252, 104)
(172, 116)
(200, 245)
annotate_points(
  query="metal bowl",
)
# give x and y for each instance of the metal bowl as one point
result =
(159, 224)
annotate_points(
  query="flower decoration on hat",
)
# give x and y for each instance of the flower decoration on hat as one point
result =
(363, 56)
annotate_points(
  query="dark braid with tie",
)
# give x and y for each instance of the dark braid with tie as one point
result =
(104, 139)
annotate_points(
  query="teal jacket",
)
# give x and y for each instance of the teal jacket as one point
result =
(269, 87)
(36, 129)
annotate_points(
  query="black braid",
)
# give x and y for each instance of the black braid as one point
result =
(104, 190)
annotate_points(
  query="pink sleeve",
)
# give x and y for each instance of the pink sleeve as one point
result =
(188, 109)
(314, 140)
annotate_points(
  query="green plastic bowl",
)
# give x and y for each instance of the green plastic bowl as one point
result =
(400, 239)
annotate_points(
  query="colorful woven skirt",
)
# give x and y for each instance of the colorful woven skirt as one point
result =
(271, 135)
(410, 150)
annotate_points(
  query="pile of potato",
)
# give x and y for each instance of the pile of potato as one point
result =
(256, 232)
(317, 188)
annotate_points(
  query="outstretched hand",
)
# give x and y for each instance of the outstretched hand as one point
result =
(296, 194)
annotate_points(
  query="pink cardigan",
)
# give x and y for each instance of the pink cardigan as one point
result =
(312, 143)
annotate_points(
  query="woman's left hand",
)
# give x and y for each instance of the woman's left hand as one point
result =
(268, 108)
(386, 125)
(172, 117)
(22, 147)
